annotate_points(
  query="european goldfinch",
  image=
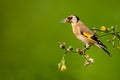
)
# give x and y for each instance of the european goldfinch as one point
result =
(83, 33)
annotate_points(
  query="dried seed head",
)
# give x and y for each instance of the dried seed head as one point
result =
(79, 51)
(70, 48)
(86, 63)
(62, 45)
(91, 60)
(87, 56)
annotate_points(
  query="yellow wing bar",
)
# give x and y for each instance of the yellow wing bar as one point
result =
(89, 37)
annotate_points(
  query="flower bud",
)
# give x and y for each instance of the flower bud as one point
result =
(63, 67)
(113, 27)
(103, 28)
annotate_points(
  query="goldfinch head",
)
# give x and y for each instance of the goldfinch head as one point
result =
(71, 19)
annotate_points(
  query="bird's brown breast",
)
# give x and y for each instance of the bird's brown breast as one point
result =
(76, 30)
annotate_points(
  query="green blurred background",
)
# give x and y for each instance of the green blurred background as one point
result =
(31, 29)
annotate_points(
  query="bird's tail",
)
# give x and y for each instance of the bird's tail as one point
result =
(104, 48)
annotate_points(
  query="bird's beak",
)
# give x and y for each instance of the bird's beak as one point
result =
(66, 20)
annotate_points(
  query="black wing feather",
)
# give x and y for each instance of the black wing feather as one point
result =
(94, 37)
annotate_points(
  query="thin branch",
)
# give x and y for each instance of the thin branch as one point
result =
(108, 33)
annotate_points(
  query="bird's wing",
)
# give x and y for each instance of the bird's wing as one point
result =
(85, 31)
(93, 38)
(84, 28)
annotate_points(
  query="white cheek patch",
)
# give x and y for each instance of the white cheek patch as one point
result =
(74, 19)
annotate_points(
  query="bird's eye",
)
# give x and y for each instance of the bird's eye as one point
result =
(70, 18)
